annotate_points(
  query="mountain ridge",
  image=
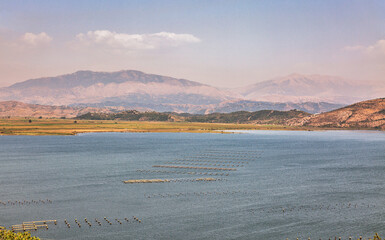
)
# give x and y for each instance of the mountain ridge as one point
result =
(309, 88)
(362, 115)
(94, 77)
(136, 89)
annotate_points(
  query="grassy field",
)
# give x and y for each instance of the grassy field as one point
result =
(70, 127)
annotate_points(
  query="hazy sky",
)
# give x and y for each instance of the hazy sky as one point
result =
(221, 43)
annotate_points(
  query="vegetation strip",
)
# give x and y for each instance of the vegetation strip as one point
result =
(23, 126)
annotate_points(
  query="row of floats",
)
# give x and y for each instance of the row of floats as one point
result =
(36, 225)
(312, 208)
(25, 202)
(206, 164)
(183, 172)
(172, 180)
(189, 167)
(198, 194)
(211, 161)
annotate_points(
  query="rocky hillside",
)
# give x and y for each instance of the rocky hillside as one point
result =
(367, 114)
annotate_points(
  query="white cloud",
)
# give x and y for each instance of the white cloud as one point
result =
(36, 39)
(125, 41)
(354, 48)
(376, 49)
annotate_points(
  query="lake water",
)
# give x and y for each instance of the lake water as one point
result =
(286, 184)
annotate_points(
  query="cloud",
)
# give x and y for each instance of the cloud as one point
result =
(36, 39)
(378, 48)
(354, 48)
(125, 41)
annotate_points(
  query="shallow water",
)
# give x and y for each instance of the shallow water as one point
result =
(287, 184)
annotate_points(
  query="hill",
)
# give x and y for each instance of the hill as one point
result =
(19, 109)
(251, 106)
(131, 115)
(367, 114)
(259, 117)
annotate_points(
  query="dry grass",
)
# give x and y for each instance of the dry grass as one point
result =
(21, 126)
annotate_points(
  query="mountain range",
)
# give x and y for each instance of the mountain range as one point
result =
(131, 89)
(312, 88)
(368, 114)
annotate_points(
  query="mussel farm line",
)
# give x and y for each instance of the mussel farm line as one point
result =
(172, 180)
(182, 172)
(227, 155)
(208, 161)
(188, 167)
(205, 164)
(315, 208)
(221, 158)
(36, 225)
(225, 151)
(32, 225)
(25, 202)
(376, 237)
(198, 194)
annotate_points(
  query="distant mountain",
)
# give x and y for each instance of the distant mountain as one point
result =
(19, 109)
(366, 114)
(299, 88)
(149, 92)
(87, 87)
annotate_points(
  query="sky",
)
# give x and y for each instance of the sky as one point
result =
(221, 43)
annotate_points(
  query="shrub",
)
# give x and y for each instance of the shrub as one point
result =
(9, 235)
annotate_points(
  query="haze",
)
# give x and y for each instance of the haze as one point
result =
(221, 43)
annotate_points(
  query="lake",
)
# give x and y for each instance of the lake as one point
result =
(268, 184)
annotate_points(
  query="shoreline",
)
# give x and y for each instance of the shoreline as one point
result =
(22, 126)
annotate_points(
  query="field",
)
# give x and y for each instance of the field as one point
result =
(21, 126)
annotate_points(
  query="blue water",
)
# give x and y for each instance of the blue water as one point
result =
(287, 184)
